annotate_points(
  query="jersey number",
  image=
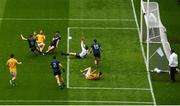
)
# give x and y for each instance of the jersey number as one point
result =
(96, 46)
(54, 65)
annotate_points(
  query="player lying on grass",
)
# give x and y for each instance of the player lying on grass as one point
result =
(96, 48)
(32, 43)
(90, 74)
(40, 39)
(84, 51)
(57, 68)
(54, 43)
(11, 63)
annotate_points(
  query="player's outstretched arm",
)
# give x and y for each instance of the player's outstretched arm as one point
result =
(23, 38)
(57, 43)
(90, 51)
(101, 49)
(19, 62)
(62, 67)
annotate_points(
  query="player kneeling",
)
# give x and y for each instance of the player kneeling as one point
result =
(57, 67)
(91, 75)
(84, 51)
(55, 41)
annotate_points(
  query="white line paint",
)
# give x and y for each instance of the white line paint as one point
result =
(104, 88)
(148, 73)
(68, 60)
(98, 28)
(64, 19)
(73, 101)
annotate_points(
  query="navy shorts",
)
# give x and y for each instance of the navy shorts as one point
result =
(97, 55)
(57, 73)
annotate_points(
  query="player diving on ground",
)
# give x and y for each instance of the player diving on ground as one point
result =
(84, 51)
(90, 74)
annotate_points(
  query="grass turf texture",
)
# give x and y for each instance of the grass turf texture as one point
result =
(122, 64)
(166, 92)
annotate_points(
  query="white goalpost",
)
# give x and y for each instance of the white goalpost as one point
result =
(154, 37)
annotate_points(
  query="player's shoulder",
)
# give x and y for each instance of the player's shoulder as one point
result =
(12, 60)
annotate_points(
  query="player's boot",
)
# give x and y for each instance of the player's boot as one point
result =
(61, 87)
(64, 85)
(13, 83)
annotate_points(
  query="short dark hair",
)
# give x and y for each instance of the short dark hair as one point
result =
(95, 40)
(12, 55)
(57, 32)
(54, 57)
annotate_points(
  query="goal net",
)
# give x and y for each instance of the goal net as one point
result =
(153, 36)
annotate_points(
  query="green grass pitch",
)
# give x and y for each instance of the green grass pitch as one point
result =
(111, 22)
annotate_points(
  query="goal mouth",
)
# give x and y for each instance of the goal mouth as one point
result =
(154, 38)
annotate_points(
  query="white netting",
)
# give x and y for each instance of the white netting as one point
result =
(159, 47)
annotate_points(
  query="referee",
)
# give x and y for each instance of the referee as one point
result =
(173, 63)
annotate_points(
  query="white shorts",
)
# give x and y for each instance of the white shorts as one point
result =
(88, 72)
(40, 44)
(13, 73)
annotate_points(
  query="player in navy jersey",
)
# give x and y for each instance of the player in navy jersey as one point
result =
(96, 48)
(54, 43)
(57, 68)
(32, 43)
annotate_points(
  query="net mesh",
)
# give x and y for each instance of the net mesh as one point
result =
(159, 47)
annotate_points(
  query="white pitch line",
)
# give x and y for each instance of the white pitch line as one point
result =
(64, 19)
(68, 32)
(72, 101)
(148, 74)
(104, 88)
(105, 28)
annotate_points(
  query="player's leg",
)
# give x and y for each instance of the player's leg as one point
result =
(97, 58)
(61, 80)
(85, 70)
(57, 80)
(50, 48)
(41, 46)
(13, 79)
(88, 72)
(70, 53)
